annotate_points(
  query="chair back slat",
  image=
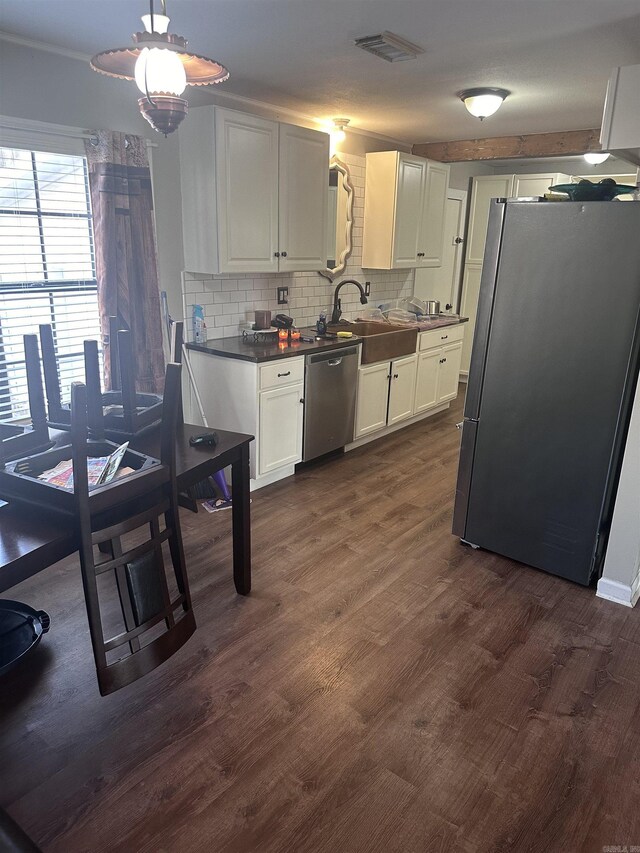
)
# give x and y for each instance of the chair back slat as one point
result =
(95, 417)
(35, 391)
(50, 367)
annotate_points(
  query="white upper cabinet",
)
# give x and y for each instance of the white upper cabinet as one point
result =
(246, 165)
(431, 237)
(254, 193)
(484, 189)
(404, 205)
(487, 187)
(620, 131)
(304, 190)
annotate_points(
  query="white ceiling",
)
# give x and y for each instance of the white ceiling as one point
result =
(554, 55)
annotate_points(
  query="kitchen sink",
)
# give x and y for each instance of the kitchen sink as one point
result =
(380, 341)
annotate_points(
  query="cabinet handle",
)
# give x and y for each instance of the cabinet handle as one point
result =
(302, 399)
(421, 254)
(458, 240)
(443, 360)
(288, 373)
(389, 376)
(395, 376)
(443, 337)
(284, 254)
(276, 254)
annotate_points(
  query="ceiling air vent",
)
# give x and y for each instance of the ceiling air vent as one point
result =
(389, 46)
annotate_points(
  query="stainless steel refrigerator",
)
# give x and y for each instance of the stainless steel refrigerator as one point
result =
(553, 372)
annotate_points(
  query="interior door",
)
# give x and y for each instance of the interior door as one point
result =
(443, 283)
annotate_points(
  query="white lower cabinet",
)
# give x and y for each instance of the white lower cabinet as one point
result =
(439, 358)
(394, 391)
(402, 389)
(438, 376)
(264, 400)
(427, 380)
(373, 398)
(449, 373)
(386, 392)
(280, 430)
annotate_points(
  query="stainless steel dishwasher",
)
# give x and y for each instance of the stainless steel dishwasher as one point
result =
(329, 401)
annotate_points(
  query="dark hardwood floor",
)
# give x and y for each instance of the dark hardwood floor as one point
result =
(383, 688)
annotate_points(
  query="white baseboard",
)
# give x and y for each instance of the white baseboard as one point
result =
(374, 436)
(620, 593)
(272, 477)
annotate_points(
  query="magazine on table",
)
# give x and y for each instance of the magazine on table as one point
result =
(100, 470)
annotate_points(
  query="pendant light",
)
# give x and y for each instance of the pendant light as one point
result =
(483, 101)
(162, 68)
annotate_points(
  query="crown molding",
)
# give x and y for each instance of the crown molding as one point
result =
(43, 45)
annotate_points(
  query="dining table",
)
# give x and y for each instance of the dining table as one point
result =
(32, 539)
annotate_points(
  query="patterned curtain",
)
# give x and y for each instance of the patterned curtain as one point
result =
(126, 267)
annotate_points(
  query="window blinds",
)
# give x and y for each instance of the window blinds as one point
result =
(47, 266)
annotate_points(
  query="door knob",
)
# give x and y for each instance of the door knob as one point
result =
(276, 254)
(284, 254)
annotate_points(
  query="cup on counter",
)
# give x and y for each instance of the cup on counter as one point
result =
(263, 320)
(283, 335)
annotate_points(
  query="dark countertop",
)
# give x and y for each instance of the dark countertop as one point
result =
(241, 349)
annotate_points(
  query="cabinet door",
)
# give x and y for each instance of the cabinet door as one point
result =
(469, 308)
(373, 396)
(402, 388)
(304, 189)
(484, 189)
(247, 188)
(427, 380)
(280, 427)
(431, 239)
(411, 178)
(449, 372)
(535, 185)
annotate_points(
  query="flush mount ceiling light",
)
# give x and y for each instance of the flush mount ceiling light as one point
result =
(483, 101)
(338, 134)
(596, 157)
(389, 46)
(161, 67)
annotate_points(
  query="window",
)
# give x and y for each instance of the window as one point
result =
(47, 266)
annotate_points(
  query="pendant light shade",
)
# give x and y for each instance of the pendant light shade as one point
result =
(162, 68)
(483, 101)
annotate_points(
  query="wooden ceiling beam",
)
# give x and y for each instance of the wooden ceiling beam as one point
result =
(511, 147)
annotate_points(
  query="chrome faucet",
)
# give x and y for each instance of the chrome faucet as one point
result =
(337, 307)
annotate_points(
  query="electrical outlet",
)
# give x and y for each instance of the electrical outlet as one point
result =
(367, 288)
(283, 295)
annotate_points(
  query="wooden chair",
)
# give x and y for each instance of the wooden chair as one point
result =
(154, 621)
(17, 440)
(125, 411)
